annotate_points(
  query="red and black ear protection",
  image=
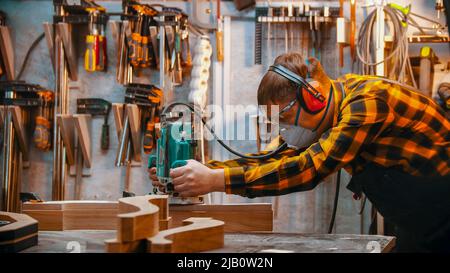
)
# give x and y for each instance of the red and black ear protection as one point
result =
(311, 100)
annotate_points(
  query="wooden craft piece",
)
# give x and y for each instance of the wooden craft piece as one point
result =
(20, 233)
(196, 234)
(66, 128)
(73, 215)
(139, 216)
(237, 217)
(81, 122)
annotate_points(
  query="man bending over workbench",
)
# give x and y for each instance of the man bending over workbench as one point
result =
(394, 141)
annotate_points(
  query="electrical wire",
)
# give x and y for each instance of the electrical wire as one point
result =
(397, 62)
(27, 56)
(335, 204)
(211, 130)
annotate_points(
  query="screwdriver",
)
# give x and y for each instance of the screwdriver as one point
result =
(90, 57)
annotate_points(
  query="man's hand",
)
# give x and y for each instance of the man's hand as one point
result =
(196, 179)
(154, 179)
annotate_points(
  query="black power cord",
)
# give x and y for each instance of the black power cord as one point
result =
(27, 56)
(336, 199)
(228, 148)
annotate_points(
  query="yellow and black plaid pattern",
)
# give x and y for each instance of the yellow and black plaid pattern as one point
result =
(376, 122)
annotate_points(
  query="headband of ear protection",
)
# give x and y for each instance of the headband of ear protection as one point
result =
(312, 101)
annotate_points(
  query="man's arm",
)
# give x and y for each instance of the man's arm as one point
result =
(360, 124)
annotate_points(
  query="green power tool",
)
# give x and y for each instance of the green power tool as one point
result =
(174, 146)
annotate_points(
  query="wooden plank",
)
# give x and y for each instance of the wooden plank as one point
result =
(51, 220)
(21, 233)
(73, 215)
(20, 130)
(48, 30)
(66, 128)
(135, 130)
(2, 116)
(237, 217)
(84, 137)
(117, 110)
(7, 51)
(196, 234)
(63, 30)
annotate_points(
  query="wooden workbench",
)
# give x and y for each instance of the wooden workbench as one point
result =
(93, 241)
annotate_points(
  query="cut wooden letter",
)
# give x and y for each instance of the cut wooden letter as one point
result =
(139, 216)
(196, 234)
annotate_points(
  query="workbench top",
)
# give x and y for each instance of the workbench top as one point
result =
(93, 241)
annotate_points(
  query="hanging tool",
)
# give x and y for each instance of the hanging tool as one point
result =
(95, 55)
(97, 107)
(353, 29)
(42, 135)
(219, 34)
(426, 75)
(149, 99)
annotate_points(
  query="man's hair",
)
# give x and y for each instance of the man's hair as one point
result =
(276, 88)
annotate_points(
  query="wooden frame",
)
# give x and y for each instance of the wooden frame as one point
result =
(21, 233)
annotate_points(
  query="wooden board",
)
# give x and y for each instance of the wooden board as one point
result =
(20, 130)
(117, 110)
(66, 128)
(64, 30)
(139, 217)
(135, 131)
(81, 122)
(237, 217)
(196, 234)
(21, 233)
(73, 215)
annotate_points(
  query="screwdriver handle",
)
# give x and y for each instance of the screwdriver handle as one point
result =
(89, 56)
(101, 53)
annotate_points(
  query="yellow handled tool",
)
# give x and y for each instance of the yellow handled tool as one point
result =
(89, 56)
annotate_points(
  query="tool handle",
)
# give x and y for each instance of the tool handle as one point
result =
(178, 163)
(219, 45)
(89, 56)
(152, 161)
(105, 137)
(148, 137)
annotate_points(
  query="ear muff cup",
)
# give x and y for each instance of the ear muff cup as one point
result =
(311, 104)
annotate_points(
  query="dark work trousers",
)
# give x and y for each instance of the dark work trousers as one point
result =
(417, 207)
